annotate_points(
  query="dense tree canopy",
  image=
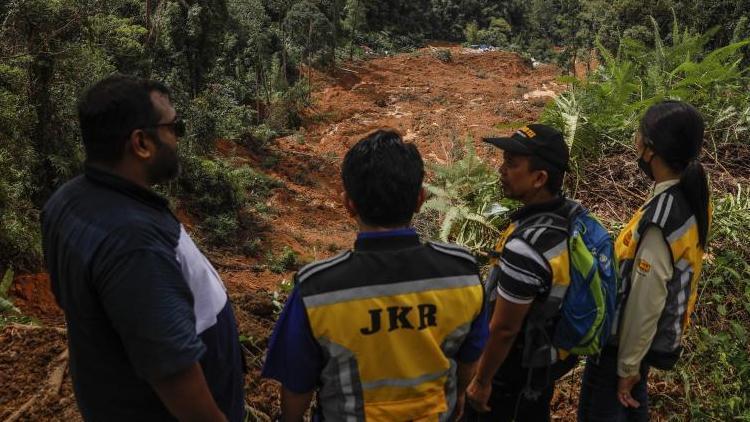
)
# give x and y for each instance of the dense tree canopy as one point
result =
(233, 65)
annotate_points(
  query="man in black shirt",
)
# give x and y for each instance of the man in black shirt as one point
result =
(151, 331)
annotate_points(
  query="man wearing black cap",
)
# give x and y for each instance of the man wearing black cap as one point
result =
(527, 261)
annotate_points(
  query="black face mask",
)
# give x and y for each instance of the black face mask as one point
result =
(645, 166)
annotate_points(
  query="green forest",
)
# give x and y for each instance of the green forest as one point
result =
(241, 72)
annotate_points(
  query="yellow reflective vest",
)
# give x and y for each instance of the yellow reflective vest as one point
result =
(670, 212)
(390, 324)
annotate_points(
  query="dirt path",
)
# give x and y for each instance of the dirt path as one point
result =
(433, 103)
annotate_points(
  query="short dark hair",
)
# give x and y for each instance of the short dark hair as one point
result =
(383, 176)
(111, 109)
(555, 176)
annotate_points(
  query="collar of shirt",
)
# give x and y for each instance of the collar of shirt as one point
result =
(385, 240)
(662, 186)
(549, 206)
(126, 187)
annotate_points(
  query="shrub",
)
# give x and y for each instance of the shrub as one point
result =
(221, 229)
(471, 33)
(216, 113)
(251, 247)
(605, 108)
(5, 282)
(496, 34)
(443, 55)
(386, 42)
(213, 186)
(466, 201)
(20, 237)
(284, 261)
(219, 193)
(260, 137)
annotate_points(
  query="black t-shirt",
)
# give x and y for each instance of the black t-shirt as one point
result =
(140, 300)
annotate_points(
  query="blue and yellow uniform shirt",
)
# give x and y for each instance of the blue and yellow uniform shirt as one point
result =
(378, 330)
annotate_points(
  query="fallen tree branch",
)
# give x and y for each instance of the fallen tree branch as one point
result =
(51, 388)
(21, 410)
(348, 70)
(232, 267)
(570, 374)
(55, 380)
(306, 154)
(257, 415)
(36, 327)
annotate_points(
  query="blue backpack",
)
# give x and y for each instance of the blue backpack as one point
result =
(583, 310)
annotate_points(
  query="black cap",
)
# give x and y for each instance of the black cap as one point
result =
(540, 140)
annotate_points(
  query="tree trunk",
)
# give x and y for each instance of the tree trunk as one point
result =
(335, 34)
(309, 53)
(574, 60)
(148, 17)
(41, 73)
(283, 54)
(355, 25)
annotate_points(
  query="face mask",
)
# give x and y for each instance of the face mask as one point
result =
(645, 166)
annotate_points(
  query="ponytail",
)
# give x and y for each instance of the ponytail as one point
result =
(694, 185)
(676, 129)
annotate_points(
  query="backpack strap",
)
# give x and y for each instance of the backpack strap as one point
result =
(536, 354)
(540, 221)
(527, 222)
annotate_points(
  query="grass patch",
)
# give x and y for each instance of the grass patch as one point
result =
(285, 261)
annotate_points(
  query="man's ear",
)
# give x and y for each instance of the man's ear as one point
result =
(351, 209)
(141, 144)
(540, 179)
(421, 197)
(648, 154)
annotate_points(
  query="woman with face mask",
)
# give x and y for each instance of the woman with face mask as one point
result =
(660, 253)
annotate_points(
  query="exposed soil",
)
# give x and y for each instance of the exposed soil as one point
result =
(256, 314)
(436, 105)
(27, 358)
(433, 104)
(32, 294)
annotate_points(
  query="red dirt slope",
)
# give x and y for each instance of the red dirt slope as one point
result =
(432, 103)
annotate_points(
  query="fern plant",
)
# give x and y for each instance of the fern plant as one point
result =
(466, 197)
(605, 108)
(731, 219)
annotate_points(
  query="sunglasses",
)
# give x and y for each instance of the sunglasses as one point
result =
(178, 127)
